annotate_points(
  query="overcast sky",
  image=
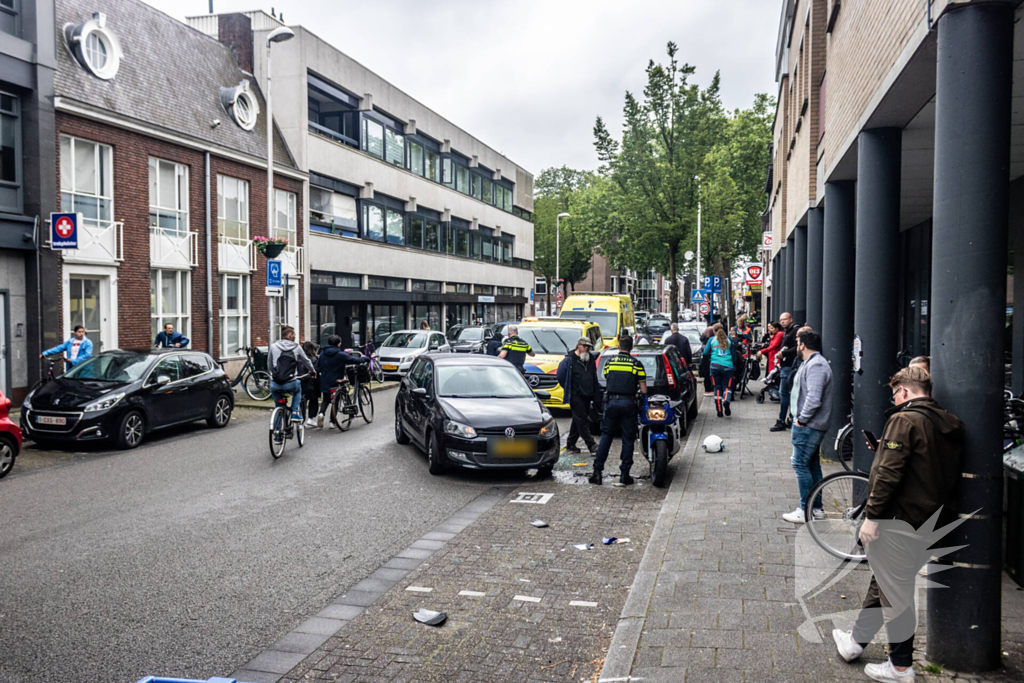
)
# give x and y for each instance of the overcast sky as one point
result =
(530, 77)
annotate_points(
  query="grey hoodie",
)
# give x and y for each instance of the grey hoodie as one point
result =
(813, 405)
(282, 345)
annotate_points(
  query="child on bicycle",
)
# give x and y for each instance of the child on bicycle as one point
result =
(285, 363)
(333, 362)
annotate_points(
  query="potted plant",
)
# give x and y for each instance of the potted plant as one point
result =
(271, 247)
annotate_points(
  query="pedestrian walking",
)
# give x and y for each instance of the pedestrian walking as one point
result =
(424, 325)
(577, 373)
(681, 343)
(624, 375)
(723, 368)
(515, 350)
(494, 345)
(812, 415)
(913, 476)
(76, 349)
(785, 359)
(775, 336)
(168, 338)
(311, 386)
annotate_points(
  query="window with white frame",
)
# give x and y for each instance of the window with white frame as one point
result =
(284, 216)
(87, 180)
(168, 197)
(170, 300)
(233, 209)
(234, 314)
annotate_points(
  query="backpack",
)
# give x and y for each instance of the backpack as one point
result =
(286, 367)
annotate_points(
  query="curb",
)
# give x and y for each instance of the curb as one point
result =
(618, 663)
(242, 399)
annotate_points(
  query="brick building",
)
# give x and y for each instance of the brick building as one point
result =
(895, 201)
(161, 144)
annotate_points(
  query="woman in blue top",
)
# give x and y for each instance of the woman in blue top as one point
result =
(719, 350)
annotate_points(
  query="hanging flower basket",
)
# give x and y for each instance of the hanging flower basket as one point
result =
(270, 247)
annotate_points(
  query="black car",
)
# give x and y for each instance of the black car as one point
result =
(471, 339)
(657, 328)
(667, 374)
(123, 395)
(475, 412)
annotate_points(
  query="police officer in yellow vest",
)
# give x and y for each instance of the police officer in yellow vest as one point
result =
(515, 350)
(624, 375)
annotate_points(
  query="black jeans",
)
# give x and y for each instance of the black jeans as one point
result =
(580, 428)
(871, 619)
(621, 416)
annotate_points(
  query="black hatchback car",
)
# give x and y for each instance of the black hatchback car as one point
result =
(123, 395)
(476, 412)
(472, 339)
(667, 374)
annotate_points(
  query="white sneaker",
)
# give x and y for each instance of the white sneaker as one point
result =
(311, 423)
(888, 673)
(796, 516)
(849, 649)
(818, 513)
(320, 420)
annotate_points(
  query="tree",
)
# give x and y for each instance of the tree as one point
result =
(557, 190)
(666, 138)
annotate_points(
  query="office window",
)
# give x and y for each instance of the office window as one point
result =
(486, 189)
(86, 180)
(456, 288)
(168, 196)
(483, 289)
(10, 148)
(373, 222)
(433, 166)
(508, 199)
(393, 284)
(394, 147)
(415, 158)
(477, 183)
(462, 179)
(373, 138)
(488, 248)
(332, 113)
(449, 241)
(447, 177)
(9, 17)
(396, 227)
(477, 247)
(426, 286)
(506, 248)
(169, 299)
(462, 243)
(284, 216)
(349, 281)
(234, 314)
(415, 232)
(433, 236)
(233, 208)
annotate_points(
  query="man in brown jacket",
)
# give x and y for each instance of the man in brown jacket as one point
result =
(914, 474)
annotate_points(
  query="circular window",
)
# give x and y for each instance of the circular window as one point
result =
(94, 46)
(96, 51)
(241, 104)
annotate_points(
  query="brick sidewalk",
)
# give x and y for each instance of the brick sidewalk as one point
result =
(714, 598)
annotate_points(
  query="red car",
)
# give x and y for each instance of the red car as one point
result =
(10, 437)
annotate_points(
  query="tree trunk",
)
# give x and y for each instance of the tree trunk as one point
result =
(674, 287)
(730, 306)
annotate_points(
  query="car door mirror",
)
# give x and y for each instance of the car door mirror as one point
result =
(419, 391)
(162, 380)
(542, 394)
(433, 346)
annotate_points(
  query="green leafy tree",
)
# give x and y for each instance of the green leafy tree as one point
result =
(558, 190)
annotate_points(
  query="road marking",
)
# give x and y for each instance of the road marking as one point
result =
(419, 589)
(535, 498)
(526, 598)
(582, 603)
(473, 594)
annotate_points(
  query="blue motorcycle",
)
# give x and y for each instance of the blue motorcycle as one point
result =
(660, 435)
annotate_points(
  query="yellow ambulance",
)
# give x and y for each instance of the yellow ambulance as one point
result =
(613, 312)
(551, 339)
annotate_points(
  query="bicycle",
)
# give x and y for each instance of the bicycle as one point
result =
(255, 382)
(352, 397)
(844, 498)
(282, 427)
(376, 369)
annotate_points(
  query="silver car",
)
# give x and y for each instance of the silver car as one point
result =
(401, 348)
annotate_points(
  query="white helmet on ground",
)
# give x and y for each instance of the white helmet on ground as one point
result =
(713, 444)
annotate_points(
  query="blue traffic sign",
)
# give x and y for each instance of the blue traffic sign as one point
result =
(713, 284)
(274, 274)
(697, 296)
(64, 230)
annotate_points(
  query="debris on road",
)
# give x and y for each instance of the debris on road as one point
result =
(539, 523)
(582, 546)
(429, 617)
(609, 541)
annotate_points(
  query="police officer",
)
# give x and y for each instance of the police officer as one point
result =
(623, 374)
(515, 350)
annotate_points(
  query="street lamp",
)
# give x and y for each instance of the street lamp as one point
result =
(278, 35)
(559, 217)
(697, 178)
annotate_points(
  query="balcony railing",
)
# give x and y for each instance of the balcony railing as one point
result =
(173, 249)
(291, 261)
(235, 255)
(98, 242)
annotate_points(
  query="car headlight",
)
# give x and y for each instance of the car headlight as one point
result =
(458, 429)
(27, 403)
(656, 414)
(549, 429)
(105, 403)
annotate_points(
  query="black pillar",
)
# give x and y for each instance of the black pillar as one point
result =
(838, 246)
(779, 284)
(815, 238)
(970, 212)
(800, 274)
(791, 274)
(877, 273)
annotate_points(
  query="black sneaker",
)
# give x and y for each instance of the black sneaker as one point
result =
(777, 427)
(727, 411)
(624, 480)
(719, 413)
(595, 478)
(592, 448)
(572, 449)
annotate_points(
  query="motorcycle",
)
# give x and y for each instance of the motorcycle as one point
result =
(660, 435)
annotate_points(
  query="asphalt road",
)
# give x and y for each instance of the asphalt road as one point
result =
(188, 556)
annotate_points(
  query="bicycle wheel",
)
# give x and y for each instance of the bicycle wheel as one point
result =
(366, 403)
(843, 499)
(844, 452)
(278, 425)
(377, 372)
(339, 415)
(257, 385)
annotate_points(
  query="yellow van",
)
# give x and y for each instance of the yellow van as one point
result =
(551, 339)
(613, 312)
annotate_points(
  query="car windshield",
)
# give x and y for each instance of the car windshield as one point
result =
(406, 340)
(609, 322)
(550, 339)
(481, 381)
(471, 334)
(111, 367)
(658, 324)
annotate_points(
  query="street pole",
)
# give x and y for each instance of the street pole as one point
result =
(699, 281)
(278, 35)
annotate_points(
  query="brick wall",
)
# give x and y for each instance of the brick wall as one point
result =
(235, 31)
(131, 152)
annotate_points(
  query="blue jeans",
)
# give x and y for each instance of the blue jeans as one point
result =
(294, 388)
(784, 374)
(806, 461)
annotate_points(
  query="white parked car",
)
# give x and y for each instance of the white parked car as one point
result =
(401, 348)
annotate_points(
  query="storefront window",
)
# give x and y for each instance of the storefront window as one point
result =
(429, 312)
(382, 320)
(326, 325)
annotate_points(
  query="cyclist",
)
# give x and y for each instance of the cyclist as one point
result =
(77, 347)
(168, 338)
(333, 362)
(285, 363)
(515, 350)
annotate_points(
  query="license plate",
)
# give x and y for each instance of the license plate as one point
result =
(47, 420)
(389, 366)
(513, 448)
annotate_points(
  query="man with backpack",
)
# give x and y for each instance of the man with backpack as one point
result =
(285, 363)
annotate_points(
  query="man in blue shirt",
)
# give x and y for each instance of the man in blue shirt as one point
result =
(170, 339)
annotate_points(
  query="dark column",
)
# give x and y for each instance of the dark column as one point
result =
(876, 290)
(970, 213)
(838, 246)
(1016, 227)
(815, 237)
(791, 274)
(800, 274)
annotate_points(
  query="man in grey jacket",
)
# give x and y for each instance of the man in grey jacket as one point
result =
(811, 405)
